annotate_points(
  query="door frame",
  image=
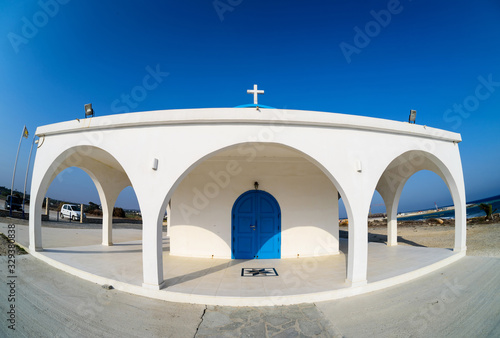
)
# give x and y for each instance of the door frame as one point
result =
(277, 232)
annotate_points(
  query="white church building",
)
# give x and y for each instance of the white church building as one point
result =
(250, 182)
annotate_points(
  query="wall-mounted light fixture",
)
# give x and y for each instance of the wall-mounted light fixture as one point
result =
(413, 116)
(359, 166)
(155, 164)
(256, 185)
(88, 110)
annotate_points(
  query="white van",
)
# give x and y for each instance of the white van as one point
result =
(71, 211)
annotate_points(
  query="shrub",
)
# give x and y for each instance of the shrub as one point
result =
(93, 209)
(118, 212)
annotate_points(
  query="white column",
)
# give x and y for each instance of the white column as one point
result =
(357, 257)
(460, 221)
(107, 227)
(108, 203)
(35, 223)
(152, 248)
(109, 185)
(40, 181)
(391, 195)
(357, 252)
(392, 223)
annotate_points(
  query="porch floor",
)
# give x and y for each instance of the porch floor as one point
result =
(220, 281)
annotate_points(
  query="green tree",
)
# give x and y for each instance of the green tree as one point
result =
(488, 209)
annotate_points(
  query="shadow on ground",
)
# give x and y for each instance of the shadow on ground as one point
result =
(382, 238)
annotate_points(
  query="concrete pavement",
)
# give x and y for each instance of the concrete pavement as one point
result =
(220, 281)
(460, 300)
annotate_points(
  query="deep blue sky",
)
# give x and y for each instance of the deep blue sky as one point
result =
(428, 56)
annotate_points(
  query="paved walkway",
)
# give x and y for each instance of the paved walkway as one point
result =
(220, 281)
(304, 320)
(460, 300)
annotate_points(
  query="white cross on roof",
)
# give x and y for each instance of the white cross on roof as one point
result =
(255, 92)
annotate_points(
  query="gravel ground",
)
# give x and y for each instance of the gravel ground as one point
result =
(482, 239)
(5, 250)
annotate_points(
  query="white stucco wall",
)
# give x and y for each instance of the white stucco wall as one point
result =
(202, 205)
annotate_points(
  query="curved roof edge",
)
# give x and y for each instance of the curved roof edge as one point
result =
(248, 116)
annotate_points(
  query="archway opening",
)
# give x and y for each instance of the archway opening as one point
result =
(424, 191)
(127, 218)
(71, 188)
(411, 186)
(426, 212)
(127, 201)
(71, 177)
(201, 203)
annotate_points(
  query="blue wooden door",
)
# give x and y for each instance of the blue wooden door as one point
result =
(256, 226)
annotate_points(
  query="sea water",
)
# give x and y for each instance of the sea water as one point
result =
(473, 210)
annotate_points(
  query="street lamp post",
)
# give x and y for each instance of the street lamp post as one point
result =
(24, 134)
(27, 171)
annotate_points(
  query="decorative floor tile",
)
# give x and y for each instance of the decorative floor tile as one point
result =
(258, 272)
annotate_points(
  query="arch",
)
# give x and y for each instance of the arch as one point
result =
(192, 197)
(357, 255)
(391, 183)
(256, 226)
(249, 145)
(105, 171)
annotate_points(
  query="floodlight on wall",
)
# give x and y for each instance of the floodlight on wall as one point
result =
(413, 116)
(88, 110)
(256, 185)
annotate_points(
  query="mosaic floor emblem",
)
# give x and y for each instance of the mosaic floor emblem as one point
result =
(258, 272)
